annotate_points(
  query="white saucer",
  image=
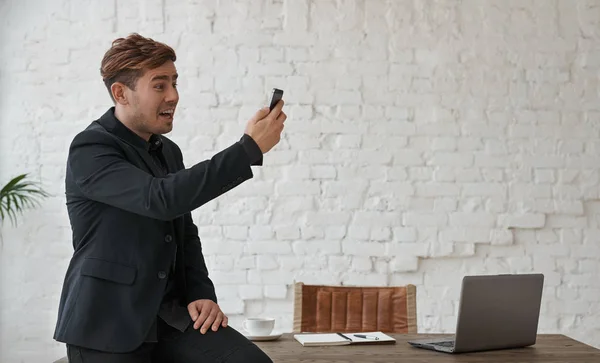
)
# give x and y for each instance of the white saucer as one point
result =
(261, 338)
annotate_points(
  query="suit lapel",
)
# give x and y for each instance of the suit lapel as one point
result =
(154, 169)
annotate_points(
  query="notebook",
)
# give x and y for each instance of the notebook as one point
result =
(321, 339)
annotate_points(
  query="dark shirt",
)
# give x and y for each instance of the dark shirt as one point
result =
(171, 311)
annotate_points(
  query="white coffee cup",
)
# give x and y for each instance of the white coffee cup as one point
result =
(259, 326)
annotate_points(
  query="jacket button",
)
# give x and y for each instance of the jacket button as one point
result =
(168, 238)
(162, 274)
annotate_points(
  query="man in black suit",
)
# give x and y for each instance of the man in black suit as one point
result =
(137, 288)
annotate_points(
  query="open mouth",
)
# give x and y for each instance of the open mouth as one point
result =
(167, 113)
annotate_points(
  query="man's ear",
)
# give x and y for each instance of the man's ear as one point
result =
(119, 93)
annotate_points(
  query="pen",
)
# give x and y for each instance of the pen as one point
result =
(343, 336)
(366, 336)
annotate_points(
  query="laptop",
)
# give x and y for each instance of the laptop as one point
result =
(495, 312)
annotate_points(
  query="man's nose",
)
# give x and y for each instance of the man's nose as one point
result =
(172, 95)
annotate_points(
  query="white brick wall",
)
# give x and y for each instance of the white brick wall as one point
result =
(426, 141)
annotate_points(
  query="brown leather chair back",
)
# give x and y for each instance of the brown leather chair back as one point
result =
(319, 308)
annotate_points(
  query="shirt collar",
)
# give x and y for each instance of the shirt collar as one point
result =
(110, 122)
(155, 143)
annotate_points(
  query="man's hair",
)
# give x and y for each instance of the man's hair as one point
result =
(128, 59)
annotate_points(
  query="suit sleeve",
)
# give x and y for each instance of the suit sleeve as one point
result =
(98, 166)
(252, 150)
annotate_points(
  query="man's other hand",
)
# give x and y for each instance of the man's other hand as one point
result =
(206, 314)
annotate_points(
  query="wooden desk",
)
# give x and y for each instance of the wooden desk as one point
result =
(548, 349)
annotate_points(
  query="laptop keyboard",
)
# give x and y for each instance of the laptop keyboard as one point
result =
(444, 344)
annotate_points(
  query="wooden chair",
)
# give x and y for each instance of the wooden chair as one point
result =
(320, 308)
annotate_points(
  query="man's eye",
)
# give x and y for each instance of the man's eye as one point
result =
(174, 85)
(159, 86)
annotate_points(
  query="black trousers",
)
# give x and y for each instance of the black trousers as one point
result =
(226, 345)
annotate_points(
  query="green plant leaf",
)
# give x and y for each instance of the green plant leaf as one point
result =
(10, 185)
(17, 195)
(1, 210)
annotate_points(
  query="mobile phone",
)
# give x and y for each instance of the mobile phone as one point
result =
(275, 97)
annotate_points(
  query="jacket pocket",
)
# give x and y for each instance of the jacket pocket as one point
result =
(107, 270)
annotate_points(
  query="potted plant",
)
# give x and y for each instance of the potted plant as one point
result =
(18, 194)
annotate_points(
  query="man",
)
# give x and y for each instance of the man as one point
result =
(137, 287)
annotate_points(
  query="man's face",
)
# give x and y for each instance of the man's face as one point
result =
(154, 100)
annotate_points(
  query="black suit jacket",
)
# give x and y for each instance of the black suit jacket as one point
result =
(129, 226)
